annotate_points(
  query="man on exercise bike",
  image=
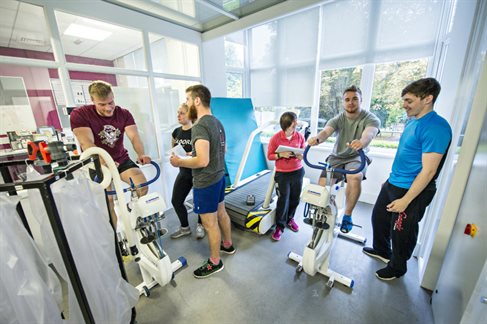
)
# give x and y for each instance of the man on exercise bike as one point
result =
(103, 124)
(355, 128)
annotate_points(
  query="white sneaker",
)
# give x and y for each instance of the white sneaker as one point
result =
(200, 231)
(181, 232)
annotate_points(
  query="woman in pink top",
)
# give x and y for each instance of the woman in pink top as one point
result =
(289, 173)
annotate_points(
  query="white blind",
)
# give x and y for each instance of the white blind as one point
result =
(356, 32)
(282, 60)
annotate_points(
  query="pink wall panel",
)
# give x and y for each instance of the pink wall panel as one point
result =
(37, 81)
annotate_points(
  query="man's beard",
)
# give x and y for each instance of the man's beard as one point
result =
(193, 113)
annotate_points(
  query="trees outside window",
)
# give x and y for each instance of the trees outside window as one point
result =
(386, 103)
(388, 81)
(333, 82)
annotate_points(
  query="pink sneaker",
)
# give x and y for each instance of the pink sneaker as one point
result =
(276, 236)
(292, 225)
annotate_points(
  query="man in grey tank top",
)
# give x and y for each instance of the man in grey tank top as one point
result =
(355, 128)
(208, 164)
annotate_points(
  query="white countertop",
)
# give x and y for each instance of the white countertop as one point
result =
(12, 152)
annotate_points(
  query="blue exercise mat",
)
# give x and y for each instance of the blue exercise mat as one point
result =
(238, 119)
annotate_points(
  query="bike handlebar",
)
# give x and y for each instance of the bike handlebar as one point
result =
(145, 184)
(325, 166)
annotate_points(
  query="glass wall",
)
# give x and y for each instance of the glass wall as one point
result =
(27, 99)
(132, 93)
(172, 56)
(90, 41)
(18, 38)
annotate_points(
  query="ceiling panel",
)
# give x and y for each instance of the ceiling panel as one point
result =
(200, 15)
(23, 25)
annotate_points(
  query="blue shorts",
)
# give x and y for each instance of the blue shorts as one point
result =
(206, 200)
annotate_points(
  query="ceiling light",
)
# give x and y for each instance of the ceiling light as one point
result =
(86, 32)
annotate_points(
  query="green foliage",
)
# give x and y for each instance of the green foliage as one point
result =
(333, 82)
(384, 144)
(234, 85)
(389, 80)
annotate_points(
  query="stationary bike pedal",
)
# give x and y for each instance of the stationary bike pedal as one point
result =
(250, 200)
(147, 239)
(322, 225)
(308, 221)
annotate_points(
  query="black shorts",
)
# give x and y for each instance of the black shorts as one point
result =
(128, 164)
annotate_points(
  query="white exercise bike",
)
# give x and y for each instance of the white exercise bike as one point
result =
(141, 220)
(321, 213)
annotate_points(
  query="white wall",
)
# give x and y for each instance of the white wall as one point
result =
(459, 73)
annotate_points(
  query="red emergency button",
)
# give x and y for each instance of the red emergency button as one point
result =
(470, 229)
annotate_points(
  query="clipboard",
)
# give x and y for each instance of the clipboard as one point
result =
(284, 148)
(179, 151)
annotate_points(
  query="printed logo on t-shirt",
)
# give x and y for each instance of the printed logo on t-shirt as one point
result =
(183, 141)
(109, 135)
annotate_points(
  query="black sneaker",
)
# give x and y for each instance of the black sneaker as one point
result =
(228, 250)
(207, 269)
(373, 253)
(387, 273)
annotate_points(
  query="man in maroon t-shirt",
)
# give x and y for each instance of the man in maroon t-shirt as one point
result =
(103, 125)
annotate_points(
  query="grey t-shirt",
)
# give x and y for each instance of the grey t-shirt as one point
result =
(210, 129)
(347, 130)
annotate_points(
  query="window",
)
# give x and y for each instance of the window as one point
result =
(388, 81)
(266, 114)
(234, 51)
(386, 103)
(235, 64)
(283, 59)
(333, 82)
(234, 85)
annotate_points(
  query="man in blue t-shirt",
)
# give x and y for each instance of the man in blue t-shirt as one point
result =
(411, 185)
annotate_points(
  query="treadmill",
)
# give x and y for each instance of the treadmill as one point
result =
(238, 119)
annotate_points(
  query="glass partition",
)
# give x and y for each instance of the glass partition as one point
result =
(173, 56)
(131, 93)
(24, 32)
(169, 95)
(27, 98)
(89, 41)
